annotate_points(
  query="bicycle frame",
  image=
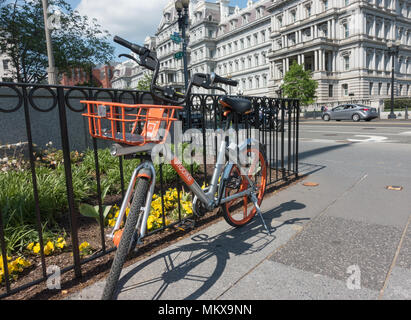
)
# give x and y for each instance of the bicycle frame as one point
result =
(207, 197)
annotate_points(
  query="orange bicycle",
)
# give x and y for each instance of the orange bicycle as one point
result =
(237, 185)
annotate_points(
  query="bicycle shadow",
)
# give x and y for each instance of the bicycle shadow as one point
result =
(188, 271)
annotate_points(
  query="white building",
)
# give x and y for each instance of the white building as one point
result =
(6, 68)
(343, 42)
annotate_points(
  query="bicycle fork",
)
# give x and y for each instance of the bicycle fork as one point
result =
(145, 169)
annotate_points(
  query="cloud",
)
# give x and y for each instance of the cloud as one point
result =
(133, 20)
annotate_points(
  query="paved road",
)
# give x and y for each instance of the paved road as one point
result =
(347, 238)
(374, 131)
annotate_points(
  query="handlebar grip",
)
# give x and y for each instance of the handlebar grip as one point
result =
(218, 79)
(133, 47)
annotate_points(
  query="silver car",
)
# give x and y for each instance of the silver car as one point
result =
(355, 112)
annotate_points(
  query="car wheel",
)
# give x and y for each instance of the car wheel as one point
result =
(356, 117)
(326, 117)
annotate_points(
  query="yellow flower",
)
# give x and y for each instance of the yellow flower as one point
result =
(151, 219)
(61, 243)
(30, 246)
(36, 248)
(85, 245)
(49, 248)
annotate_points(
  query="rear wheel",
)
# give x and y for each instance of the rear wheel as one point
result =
(356, 117)
(123, 249)
(240, 211)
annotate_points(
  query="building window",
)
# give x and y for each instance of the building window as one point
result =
(6, 64)
(347, 63)
(308, 10)
(370, 88)
(347, 2)
(400, 92)
(325, 5)
(346, 30)
(330, 90)
(280, 21)
(263, 36)
(379, 88)
(293, 15)
(345, 89)
(388, 88)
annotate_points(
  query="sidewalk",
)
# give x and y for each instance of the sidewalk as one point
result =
(344, 239)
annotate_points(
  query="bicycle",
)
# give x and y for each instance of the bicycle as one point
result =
(239, 195)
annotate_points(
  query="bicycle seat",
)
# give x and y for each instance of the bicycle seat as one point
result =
(238, 105)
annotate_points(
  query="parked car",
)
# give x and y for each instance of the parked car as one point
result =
(355, 112)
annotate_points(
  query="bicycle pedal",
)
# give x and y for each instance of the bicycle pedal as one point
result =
(185, 225)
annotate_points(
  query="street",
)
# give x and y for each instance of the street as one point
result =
(348, 131)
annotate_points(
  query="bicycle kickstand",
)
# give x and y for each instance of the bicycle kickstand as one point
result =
(257, 207)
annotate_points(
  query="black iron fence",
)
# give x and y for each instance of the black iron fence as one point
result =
(80, 170)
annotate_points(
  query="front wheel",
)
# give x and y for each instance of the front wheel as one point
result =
(123, 249)
(326, 117)
(240, 211)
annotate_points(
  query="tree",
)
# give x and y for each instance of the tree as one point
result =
(144, 84)
(298, 84)
(77, 41)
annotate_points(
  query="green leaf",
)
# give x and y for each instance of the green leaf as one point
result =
(88, 211)
(106, 210)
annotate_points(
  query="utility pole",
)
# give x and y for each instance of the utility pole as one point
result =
(52, 72)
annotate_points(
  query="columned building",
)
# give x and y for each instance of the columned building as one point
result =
(343, 43)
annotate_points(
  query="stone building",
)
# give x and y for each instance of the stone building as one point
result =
(343, 43)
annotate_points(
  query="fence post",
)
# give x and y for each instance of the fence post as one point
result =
(69, 180)
(4, 254)
(297, 125)
(282, 138)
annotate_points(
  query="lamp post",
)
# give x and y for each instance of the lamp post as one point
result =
(393, 50)
(52, 72)
(182, 11)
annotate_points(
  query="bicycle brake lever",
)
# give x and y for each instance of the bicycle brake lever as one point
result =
(129, 57)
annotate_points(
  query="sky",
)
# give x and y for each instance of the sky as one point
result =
(133, 20)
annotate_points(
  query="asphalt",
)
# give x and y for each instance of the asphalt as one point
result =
(347, 238)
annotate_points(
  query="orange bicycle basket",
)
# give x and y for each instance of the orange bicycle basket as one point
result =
(133, 124)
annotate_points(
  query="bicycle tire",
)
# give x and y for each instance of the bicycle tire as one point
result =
(228, 209)
(139, 198)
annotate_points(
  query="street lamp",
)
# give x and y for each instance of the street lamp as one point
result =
(52, 72)
(393, 50)
(182, 11)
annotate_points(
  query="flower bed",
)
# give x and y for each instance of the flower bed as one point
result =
(18, 206)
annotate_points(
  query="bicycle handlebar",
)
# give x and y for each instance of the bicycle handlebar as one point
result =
(217, 79)
(133, 47)
(149, 60)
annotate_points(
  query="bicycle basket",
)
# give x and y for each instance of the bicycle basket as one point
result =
(133, 124)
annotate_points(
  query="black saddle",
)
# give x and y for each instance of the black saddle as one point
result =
(237, 105)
